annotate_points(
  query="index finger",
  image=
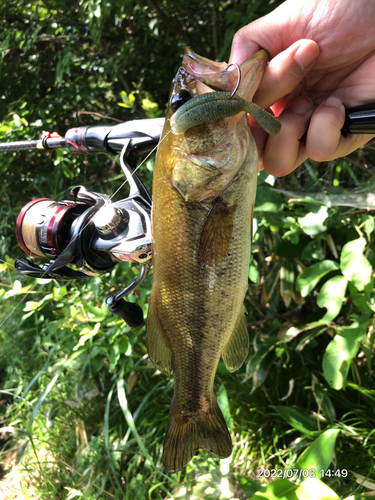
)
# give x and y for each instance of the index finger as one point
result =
(242, 48)
(285, 72)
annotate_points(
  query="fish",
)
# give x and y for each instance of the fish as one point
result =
(204, 187)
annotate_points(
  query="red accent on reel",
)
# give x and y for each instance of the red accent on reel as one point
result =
(19, 222)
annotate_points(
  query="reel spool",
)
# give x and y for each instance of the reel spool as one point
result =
(44, 226)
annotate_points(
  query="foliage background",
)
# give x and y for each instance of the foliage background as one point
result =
(82, 411)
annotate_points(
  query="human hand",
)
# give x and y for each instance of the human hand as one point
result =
(322, 59)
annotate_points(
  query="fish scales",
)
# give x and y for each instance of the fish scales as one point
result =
(203, 196)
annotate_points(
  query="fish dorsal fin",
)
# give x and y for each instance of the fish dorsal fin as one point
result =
(237, 348)
(158, 349)
(217, 233)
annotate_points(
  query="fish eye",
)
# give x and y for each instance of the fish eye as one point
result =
(179, 99)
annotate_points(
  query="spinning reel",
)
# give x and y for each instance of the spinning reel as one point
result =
(90, 235)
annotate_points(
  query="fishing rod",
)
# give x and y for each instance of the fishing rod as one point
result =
(88, 236)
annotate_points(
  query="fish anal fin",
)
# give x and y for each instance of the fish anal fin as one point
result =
(157, 343)
(237, 349)
(217, 233)
(187, 434)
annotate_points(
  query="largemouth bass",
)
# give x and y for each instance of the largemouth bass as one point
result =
(203, 197)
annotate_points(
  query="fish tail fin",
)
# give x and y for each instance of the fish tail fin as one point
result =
(186, 434)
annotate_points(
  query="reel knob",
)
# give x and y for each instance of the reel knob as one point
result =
(130, 312)
(107, 219)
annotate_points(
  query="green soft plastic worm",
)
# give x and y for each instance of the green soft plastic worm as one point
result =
(218, 105)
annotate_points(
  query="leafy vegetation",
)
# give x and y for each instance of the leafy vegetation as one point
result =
(82, 411)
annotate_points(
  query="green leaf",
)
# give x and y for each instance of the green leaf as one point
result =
(314, 489)
(362, 300)
(73, 493)
(312, 223)
(339, 352)
(314, 249)
(42, 398)
(320, 452)
(325, 406)
(287, 279)
(298, 420)
(281, 489)
(128, 100)
(267, 200)
(354, 264)
(253, 270)
(369, 225)
(223, 403)
(331, 296)
(256, 365)
(311, 276)
(248, 486)
(129, 418)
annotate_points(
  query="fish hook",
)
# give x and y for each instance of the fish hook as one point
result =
(239, 77)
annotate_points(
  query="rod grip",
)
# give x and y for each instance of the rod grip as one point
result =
(360, 120)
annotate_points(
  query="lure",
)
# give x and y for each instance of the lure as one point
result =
(218, 105)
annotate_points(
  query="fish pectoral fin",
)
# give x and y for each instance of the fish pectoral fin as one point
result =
(185, 435)
(237, 349)
(217, 233)
(158, 349)
(267, 121)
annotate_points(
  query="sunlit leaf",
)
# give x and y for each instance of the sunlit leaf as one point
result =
(331, 296)
(311, 276)
(223, 402)
(312, 223)
(319, 454)
(314, 489)
(369, 225)
(339, 352)
(280, 489)
(354, 264)
(287, 277)
(253, 270)
(248, 486)
(73, 493)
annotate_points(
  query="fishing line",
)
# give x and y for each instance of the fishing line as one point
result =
(122, 185)
(134, 171)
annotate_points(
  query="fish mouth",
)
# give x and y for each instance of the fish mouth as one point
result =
(210, 76)
(202, 128)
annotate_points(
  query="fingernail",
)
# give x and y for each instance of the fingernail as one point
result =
(306, 54)
(333, 102)
(301, 106)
